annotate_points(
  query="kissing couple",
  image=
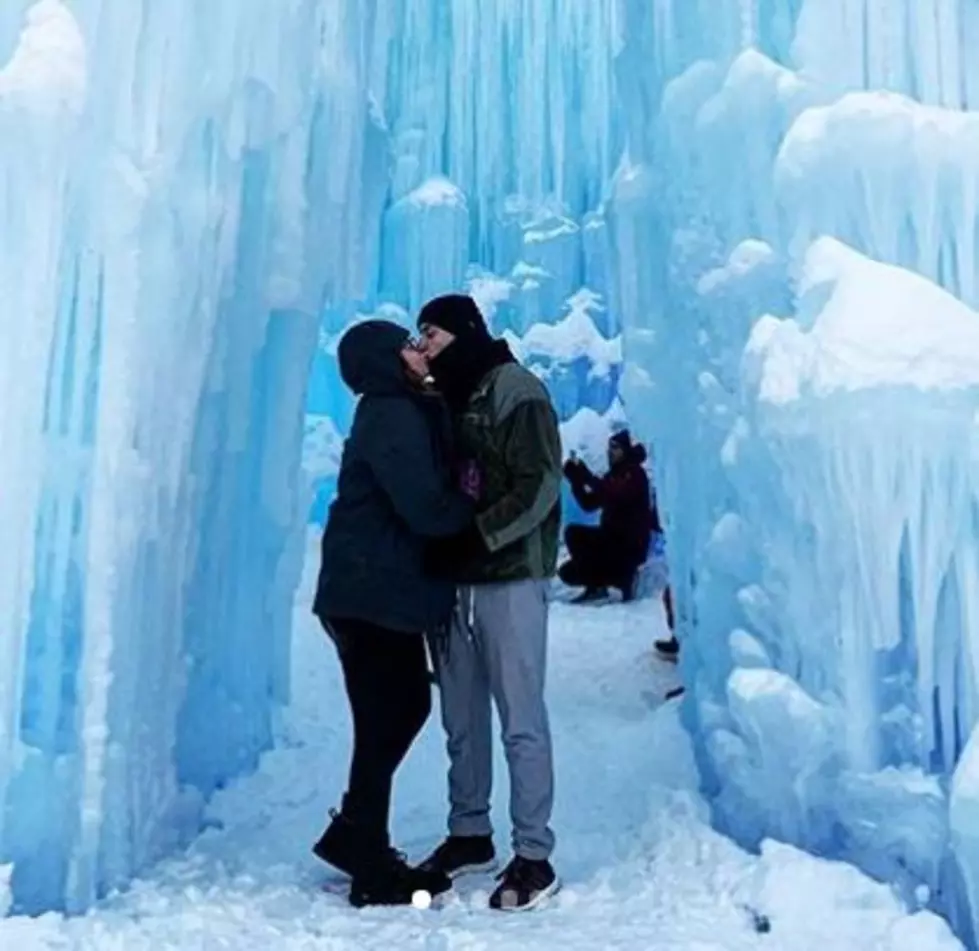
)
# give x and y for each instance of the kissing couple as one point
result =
(440, 545)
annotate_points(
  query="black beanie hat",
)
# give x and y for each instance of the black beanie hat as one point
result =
(623, 439)
(456, 313)
(634, 451)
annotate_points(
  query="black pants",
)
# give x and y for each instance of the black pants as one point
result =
(386, 676)
(597, 560)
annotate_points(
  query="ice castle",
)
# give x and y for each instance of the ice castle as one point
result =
(748, 225)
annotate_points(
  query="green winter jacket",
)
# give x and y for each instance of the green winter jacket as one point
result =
(509, 429)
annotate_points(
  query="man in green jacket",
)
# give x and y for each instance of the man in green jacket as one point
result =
(510, 454)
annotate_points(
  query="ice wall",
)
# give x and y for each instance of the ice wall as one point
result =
(566, 347)
(504, 132)
(183, 187)
(793, 230)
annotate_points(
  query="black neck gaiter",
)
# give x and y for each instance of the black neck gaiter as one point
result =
(461, 367)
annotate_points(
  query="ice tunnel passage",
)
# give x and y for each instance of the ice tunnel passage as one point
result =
(753, 222)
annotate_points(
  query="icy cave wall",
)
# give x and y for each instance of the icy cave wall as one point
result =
(182, 187)
(800, 182)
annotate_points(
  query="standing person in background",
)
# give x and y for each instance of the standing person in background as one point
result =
(395, 491)
(669, 648)
(507, 432)
(610, 554)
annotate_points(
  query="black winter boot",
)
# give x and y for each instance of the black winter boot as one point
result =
(669, 649)
(344, 845)
(391, 881)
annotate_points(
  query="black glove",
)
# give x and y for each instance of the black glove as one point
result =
(443, 556)
(576, 472)
(467, 546)
(572, 469)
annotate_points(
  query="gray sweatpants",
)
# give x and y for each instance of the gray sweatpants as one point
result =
(498, 649)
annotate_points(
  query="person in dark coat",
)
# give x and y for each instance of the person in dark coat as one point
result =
(395, 493)
(609, 555)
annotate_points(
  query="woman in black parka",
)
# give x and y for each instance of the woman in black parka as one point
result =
(395, 492)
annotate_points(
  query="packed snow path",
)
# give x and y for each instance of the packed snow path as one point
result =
(641, 868)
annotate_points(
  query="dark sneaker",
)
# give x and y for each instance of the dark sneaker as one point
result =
(462, 855)
(669, 649)
(524, 885)
(344, 845)
(392, 881)
(591, 595)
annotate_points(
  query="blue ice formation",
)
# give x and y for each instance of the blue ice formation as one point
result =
(501, 137)
(544, 305)
(798, 187)
(182, 187)
(579, 364)
(748, 223)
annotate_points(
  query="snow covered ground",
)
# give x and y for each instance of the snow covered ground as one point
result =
(642, 868)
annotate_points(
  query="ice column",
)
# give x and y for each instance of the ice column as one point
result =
(813, 410)
(168, 238)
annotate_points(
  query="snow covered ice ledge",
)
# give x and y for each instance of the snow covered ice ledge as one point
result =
(850, 564)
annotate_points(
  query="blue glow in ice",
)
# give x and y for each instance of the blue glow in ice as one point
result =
(169, 234)
(816, 465)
